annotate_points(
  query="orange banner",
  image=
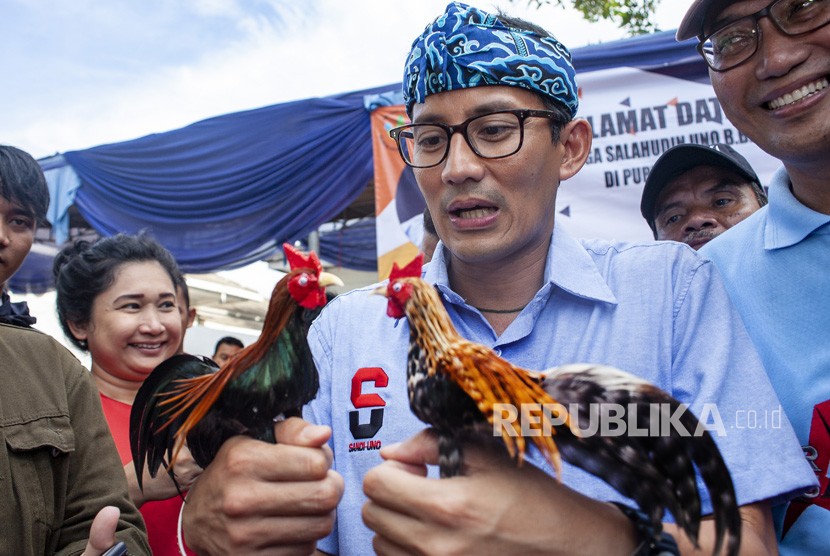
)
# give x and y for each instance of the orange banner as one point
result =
(397, 215)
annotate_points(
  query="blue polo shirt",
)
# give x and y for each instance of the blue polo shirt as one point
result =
(654, 309)
(776, 268)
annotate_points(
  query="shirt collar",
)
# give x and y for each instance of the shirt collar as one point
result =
(568, 266)
(571, 268)
(435, 273)
(789, 221)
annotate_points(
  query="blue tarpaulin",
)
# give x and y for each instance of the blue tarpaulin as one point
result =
(227, 191)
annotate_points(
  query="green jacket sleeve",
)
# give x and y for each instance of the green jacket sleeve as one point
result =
(96, 477)
(58, 462)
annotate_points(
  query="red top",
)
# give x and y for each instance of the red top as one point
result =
(160, 516)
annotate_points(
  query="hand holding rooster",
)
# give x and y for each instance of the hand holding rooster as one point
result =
(163, 485)
(457, 386)
(255, 495)
(495, 508)
(257, 498)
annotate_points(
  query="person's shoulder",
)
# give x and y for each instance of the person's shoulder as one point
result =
(26, 334)
(353, 306)
(18, 343)
(739, 237)
(31, 336)
(357, 296)
(631, 267)
(39, 369)
(604, 246)
(644, 254)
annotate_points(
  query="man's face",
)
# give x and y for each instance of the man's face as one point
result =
(701, 204)
(794, 130)
(493, 211)
(224, 353)
(17, 232)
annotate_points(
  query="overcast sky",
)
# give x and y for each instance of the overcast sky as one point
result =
(82, 73)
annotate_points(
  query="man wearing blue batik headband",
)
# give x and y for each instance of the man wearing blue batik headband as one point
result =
(513, 281)
(467, 48)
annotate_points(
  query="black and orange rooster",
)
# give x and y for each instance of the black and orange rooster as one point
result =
(187, 400)
(456, 386)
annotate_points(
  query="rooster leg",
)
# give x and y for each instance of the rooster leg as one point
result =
(450, 454)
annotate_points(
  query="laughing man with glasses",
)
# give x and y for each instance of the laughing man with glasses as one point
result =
(769, 67)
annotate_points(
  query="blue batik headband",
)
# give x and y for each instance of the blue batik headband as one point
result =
(467, 47)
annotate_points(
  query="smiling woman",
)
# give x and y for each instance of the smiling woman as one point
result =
(117, 300)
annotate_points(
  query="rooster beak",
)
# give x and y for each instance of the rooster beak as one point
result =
(380, 290)
(326, 279)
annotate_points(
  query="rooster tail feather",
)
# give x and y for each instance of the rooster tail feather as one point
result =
(151, 430)
(496, 387)
(654, 469)
(192, 398)
(624, 465)
(709, 462)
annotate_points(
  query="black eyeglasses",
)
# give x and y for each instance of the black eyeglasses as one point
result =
(494, 135)
(736, 41)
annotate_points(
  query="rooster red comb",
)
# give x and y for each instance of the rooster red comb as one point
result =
(398, 292)
(411, 270)
(296, 259)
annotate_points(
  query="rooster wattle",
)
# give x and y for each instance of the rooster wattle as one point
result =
(458, 388)
(187, 400)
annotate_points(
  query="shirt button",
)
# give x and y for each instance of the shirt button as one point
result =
(498, 351)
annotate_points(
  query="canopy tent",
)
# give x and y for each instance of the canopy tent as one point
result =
(229, 190)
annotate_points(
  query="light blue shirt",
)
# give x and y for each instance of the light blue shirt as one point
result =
(776, 268)
(654, 309)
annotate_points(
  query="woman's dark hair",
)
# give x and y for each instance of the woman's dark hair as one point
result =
(83, 270)
(181, 283)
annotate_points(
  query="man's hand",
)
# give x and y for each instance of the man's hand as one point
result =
(162, 487)
(257, 497)
(102, 531)
(494, 508)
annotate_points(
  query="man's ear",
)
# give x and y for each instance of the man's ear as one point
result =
(576, 137)
(79, 331)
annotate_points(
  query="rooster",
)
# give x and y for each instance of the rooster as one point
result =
(456, 386)
(187, 400)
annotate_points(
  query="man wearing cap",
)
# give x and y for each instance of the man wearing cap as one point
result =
(497, 99)
(769, 64)
(694, 193)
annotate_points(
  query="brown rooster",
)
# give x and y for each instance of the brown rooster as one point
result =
(185, 399)
(456, 386)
